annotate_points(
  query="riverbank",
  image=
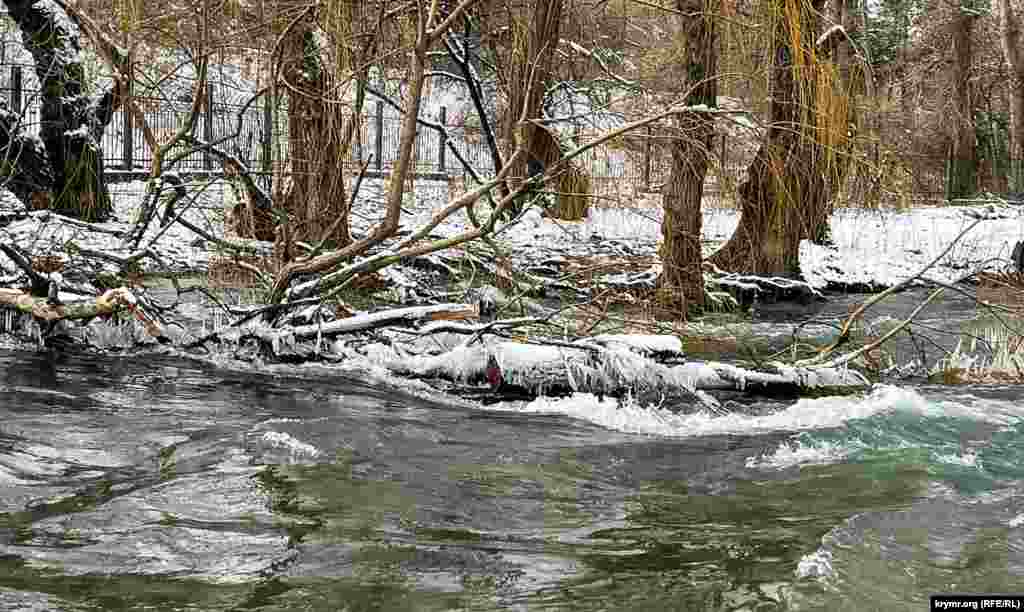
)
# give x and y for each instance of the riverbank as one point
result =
(599, 264)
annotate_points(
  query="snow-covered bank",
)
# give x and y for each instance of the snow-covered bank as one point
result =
(613, 246)
(871, 248)
(177, 248)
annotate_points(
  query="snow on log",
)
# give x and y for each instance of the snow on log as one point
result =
(285, 341)
(439, 312)
(110, 302)
(650, 345)
(615, 370)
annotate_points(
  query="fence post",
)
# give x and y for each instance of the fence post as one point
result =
(417, 143)
(358, 134)
(380, 136)
(16, 90)
(443, 118)
(268, 130)
(724, 163)
(208, 126)
(128, 132)
(647, 158)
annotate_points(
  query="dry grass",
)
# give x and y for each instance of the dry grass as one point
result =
(1004, 337)
(225, 273)
(1002, 288)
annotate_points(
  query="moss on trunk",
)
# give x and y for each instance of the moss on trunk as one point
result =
(681, 285)
(71, 122)
(787, 194)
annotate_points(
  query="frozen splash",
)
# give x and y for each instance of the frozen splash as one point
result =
(965, 459)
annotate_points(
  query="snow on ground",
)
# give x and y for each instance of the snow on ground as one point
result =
(179, 248)
(878, 248)
(884, 248)
(872, 247)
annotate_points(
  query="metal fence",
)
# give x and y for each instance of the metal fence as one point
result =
(621, 169)
(125, 149)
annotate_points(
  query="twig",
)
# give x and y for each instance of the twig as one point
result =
(844, 333)
(844, 359)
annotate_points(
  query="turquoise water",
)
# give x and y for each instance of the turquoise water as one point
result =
(161, 483)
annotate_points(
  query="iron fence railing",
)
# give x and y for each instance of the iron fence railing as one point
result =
(628, 166)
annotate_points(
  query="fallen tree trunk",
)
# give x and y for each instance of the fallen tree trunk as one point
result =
(440, 312)
(284, 336)
(615, 369)
(112, 301)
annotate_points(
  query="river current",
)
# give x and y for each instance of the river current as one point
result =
(158, 482)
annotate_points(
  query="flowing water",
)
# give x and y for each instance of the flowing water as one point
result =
(156, 482)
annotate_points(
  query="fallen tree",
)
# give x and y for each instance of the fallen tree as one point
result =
(618, 366)
(110, 302)
(355, 323)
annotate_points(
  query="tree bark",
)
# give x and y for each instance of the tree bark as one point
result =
(787, 193)
(113, 300)
(682, 279)
(530, 71)
(72, 123)
(25, 169)
(1011, 39)
(319, 132)
(963, 162)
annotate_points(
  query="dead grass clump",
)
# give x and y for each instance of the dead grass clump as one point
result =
(226, 273)
(573, 194)
(1002, 288)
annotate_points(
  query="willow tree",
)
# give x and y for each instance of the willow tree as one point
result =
(321, 62)
(801, 162)
(66, 173)
(528, 71)
(681, 282)
(1009, 24)
(963, 157)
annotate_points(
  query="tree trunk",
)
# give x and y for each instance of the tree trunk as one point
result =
(530, 70)
(319, 133)
(71, 123)
(682, 279)
(25, 169)
(787, 193)
(963, 162)
(1011, 39)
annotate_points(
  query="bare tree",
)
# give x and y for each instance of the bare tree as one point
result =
(1011, 40)
(529, 59)
(430, 26)
(963, 158)
(318, 79)
(682, 280)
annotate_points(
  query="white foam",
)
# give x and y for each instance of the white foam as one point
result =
(787, 456)
(1016, 521)
(817, 564)
(805, 414)
(285, 441)
(968, 459)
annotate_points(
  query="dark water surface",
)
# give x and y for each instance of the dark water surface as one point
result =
(153, 482)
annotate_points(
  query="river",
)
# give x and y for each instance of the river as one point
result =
(158, 482)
